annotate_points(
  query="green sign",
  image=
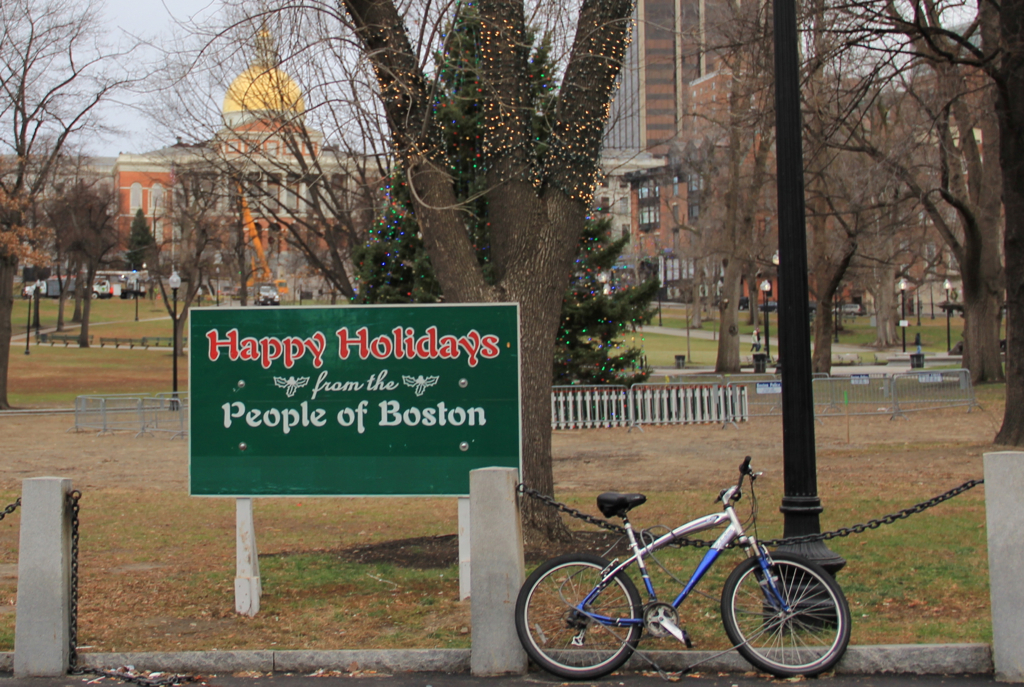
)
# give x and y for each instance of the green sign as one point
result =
(352, 400)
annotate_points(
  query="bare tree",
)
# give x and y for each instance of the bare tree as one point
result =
(54, 73)
(86, 212)
(197, 225)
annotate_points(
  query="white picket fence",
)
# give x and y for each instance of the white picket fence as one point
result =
(584, 407)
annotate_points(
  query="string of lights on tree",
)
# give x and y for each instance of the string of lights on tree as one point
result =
(393, 265)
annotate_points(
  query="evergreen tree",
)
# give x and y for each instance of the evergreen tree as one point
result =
(140, 242)
(394, 267)
(596, 312)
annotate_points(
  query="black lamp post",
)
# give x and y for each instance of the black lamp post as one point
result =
(947, 285)
(175, 283)
(28, 325)
(801, 506)
(917, 292)
(218, 287)
(766, 286)
(903, 312)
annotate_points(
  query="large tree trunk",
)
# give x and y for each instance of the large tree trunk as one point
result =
(80, 293)
(981, 334)
(536, 208)
(1010, 109)
(824, 328)
(83, 336)
(728, 360)
(8, 268)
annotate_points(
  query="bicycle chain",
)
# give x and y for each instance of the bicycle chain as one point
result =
(788, 541)
(10, 509)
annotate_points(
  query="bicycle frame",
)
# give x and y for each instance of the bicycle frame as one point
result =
(733, 532)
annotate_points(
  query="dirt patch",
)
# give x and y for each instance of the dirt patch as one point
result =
(443, 551)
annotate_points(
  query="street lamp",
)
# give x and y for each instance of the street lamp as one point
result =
(948, 287)
(28, 326)
(903, 316)
(175, 284)
(766, 286)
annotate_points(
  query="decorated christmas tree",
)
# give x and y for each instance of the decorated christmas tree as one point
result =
(392, 266)
(597, 312)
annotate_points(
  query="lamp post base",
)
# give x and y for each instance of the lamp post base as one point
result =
(801, 519)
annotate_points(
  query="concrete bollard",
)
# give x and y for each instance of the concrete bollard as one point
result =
(1004, 483)
(497, 572)
(464, 547)
(42, 628)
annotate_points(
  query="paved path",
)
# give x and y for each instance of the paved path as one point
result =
(531, 680)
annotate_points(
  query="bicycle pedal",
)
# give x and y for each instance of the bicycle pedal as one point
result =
(686, 638)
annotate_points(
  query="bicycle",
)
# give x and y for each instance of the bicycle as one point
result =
(580, 616)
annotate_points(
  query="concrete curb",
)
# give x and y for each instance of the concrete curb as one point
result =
(913, 659)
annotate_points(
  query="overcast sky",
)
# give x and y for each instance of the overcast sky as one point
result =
(148, 19)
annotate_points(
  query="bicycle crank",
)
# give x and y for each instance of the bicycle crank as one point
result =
(661, 620)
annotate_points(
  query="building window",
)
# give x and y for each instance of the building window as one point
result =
(156, 199)
(694, 184)
(135, 197)
(624, 205)
(675, 186)
(648, 189)
(625, 231)
(649, 217)
(693, 212)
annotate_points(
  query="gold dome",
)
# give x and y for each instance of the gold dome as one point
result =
(263, 88)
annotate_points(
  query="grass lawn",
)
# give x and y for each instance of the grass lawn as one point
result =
(922, 580)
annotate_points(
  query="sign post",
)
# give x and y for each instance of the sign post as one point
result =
(348, 401)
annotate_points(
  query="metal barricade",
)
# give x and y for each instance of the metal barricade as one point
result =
(760, 395)
(137, 413)
(109, 413)
(673, 404)
(702, 378)
(168, 413)
(913, 391)
(579, 406)
(858, 394)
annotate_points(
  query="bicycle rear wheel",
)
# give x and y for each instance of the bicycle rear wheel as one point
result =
(808, 638)
(570, 638)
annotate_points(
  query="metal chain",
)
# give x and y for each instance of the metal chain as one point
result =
(10, 509)
(842, 532)
(124, 674)
(72, 499)
(875, 524)
(604, 524)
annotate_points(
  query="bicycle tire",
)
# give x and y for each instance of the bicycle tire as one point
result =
(809, 639)
(548, 620)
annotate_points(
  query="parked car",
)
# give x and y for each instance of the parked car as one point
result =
(266, 294)
(853, 309)
(770, 306)
(744, 304)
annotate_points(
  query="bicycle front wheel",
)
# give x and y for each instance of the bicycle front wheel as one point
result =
(803, 629)
(567, 628)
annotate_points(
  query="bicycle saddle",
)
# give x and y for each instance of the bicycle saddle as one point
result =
(611, 503)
